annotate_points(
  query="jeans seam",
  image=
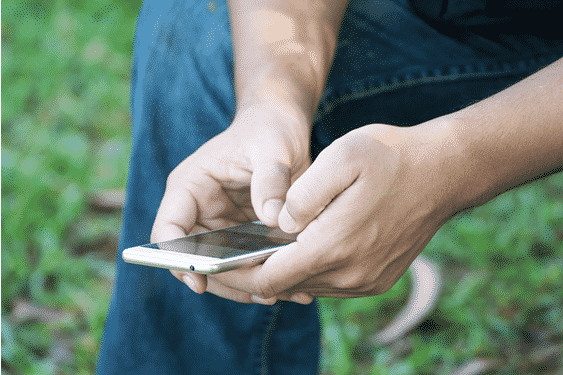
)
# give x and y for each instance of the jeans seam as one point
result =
(477, 69)
(272, 318)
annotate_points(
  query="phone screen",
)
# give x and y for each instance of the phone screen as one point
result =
(228, 242)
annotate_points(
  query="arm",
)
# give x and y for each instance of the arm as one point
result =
(374, 198)
(282, 55)
(283, 51)
(504, 141)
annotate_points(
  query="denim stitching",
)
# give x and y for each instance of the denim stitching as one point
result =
(471, 70)
(274, 313)
(257, 338)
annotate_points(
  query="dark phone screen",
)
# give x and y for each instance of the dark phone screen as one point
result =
(228, 242)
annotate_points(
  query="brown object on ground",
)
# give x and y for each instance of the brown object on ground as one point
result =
(426, 286)
(108, 199)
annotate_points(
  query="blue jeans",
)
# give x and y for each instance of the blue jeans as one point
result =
(390, 67)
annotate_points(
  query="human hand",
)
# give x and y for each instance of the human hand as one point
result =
(241, 175)
(365, 209)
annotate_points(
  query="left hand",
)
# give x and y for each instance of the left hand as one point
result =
(365, 209)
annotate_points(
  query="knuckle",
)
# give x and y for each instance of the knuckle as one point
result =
(350, 144)
(295, 198)
(277, 169)
(351, 281)
(264, 288)
(172, 179)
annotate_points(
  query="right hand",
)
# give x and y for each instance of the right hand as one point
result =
(240, 175)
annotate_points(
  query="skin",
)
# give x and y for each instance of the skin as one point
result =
(375, 197)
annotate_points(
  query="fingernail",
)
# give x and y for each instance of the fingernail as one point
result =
(287, 221)
(291, 226)
(189, 282)
(262, 301)
(303, 299)
(272, 208)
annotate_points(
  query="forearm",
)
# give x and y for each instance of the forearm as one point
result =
(283, 51)
(501, 142)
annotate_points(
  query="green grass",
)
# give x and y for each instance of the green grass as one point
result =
(66, 132)
(503, 270)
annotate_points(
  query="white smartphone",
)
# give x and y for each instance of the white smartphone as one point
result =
(215, 251)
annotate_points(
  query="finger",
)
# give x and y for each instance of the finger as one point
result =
(195, 281)
(269, 185)
(290, 266)
(328, 292)
(332, 294)
(223, 291)
(216, 287)
(328, 176)
(176, 215)
(331, 284)
(219, 289)
(193, 196)
(241, 198)
(326, 244)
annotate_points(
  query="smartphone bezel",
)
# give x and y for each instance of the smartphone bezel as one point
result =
(161, 258)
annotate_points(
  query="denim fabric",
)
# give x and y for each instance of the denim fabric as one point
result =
(391, 67)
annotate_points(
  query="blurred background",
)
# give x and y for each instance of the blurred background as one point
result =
(66, 136)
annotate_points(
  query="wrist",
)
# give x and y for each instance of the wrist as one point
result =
(451, 174)
(287, 92)
(271, 126)
(283, 50)
(279, 111)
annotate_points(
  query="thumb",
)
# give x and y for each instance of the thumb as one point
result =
(327, 177)
(268, 187)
